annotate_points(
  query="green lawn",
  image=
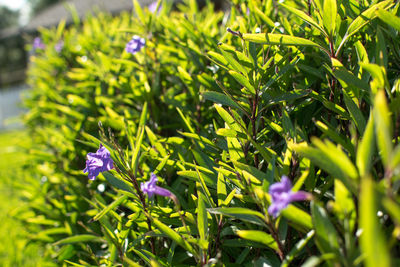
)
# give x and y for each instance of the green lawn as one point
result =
(15, 247)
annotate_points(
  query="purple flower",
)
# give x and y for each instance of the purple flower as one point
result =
(59, 46)
(38, 44)
(282, 195)
(98, 162)
(152, 7)
(134, 45)
(150, 188)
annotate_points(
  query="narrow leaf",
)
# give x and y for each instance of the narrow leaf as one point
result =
(329, 16)
(241, 213)
(383, 126)
(326, 235)
(365, 148)
(243, 81)
(278, 39)
(220, 99)
(258, 236)
(202, 220)
(173, 235)
(362, 20)
(79, 239)
(221, 189)
(372, 240)
(110, 207)
(389, 19)
(297, 248)
(305, 17)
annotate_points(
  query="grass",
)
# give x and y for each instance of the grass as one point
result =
(16, 249)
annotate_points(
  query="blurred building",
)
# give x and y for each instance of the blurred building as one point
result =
(14, 58)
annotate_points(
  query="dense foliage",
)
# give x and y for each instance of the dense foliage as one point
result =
(16, 248)
(303, 89)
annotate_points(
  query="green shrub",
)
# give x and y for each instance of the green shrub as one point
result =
(16, 248)
(299, 89)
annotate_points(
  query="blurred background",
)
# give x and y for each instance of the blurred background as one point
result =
(19, 24)
(20, 21)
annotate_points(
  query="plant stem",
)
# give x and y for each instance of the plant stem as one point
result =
(275, 236)
(143, 200)
(253, 125)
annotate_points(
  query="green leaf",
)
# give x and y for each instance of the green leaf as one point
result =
(230, 133)
(220, 99)
(355, 112)
(230, 55)
(263, 16)
(332, 133)
(197, 137)
(162, 164)
(153, 140)
(186, 120)
(372, 240)
(279, 39)
(365, 149)
(192, 175)
(110, 207)
(331, 159)
(395, 160)
(344, 204)
(305, 17)
(243, 81)
(392, 208)
(297, 249)
(326, 235)
(383, 127)
(389, 18)
(336, 155)
(185, 76)
(173, 235)
(298, 218)
(74, 264)
(330, 105)
(362, 20)
(148, 257)
(138, 10)
(221, 189)
(329, 16)
(205, 188)
(379, 75)
(260, 175)
(202, 220)
(347, 78)
(143, 115)
(228, 119)
(366, 16)
(79, 239)
(218, 59)
(136, 151)
(117, 183)
(241, 214)
(258, 236)
(235, 151)
(139, 139)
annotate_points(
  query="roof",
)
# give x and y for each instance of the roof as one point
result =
(9, 32)
(52, 15)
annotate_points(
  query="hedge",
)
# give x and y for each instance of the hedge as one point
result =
(272, 129)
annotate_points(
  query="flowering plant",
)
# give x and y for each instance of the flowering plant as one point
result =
(306, 89)
(98, 162)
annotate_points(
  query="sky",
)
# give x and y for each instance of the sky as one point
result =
(13, 4)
